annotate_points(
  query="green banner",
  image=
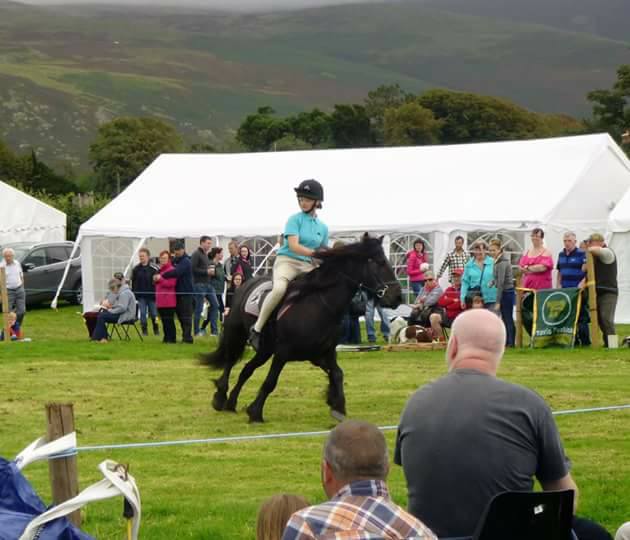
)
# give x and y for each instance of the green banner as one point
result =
(556, 314)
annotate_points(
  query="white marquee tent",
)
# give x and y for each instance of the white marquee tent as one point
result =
(25, 219)
(478, 190)
(619, 241)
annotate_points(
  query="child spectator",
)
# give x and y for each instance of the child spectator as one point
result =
(237, 281)
(15, 332)
(477, 302)
(274, 514)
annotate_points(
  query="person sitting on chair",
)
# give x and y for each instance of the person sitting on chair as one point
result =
(124, 310)
(509, 432)
(427, 301)
(450, 303)
(304, 234)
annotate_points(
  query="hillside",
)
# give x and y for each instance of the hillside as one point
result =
(63, 71)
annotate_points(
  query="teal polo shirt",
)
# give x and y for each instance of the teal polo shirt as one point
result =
(311, 232)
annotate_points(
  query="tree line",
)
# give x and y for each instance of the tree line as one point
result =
(388, 116)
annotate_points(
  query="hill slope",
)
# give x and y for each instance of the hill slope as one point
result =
(63, 71)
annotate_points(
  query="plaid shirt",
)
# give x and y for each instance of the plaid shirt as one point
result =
(453, 261)
(361, 510)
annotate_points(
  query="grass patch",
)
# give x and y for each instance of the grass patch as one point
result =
(132, 392)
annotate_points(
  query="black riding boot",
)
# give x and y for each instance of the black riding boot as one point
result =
(145, 331)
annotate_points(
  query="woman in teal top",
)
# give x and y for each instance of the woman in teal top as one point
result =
(478, 278)
(303, 235)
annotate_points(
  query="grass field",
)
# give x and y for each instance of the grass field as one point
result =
(129, 392)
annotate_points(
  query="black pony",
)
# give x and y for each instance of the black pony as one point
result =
(308, 326)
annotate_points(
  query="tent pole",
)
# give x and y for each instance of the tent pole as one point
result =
(75, 246)
(4, 297)
(519, 317)
(596, 334)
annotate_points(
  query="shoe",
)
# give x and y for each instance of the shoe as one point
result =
(201, 333)
(145, 331)
(254, 338)
(156, 329)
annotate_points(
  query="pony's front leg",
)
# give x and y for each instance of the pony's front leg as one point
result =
(255, 410)
(336, 398)
(258, 360)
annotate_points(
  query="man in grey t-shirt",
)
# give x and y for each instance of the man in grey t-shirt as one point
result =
(469, 436)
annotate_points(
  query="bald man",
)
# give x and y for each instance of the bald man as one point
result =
(353, 472)
(469, 435)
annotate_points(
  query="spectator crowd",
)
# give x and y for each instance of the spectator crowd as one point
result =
(176, 286)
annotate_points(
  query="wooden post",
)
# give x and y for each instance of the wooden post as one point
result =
(64, 477)
(4, 297)
(519, 316)
(596, 334)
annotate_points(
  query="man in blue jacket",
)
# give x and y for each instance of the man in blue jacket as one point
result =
(183, 289)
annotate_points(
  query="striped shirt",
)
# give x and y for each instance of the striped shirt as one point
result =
(453, 261)
(362, 510)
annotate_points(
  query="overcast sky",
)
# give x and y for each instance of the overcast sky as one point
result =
(232, 5)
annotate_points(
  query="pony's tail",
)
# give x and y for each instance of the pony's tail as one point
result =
(227, 353)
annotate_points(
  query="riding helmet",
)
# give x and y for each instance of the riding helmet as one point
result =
(310, 189)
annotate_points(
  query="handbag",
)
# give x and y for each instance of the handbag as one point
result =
(476, 290)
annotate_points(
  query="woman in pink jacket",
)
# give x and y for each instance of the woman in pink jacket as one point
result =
(415, 259)
(166, 299)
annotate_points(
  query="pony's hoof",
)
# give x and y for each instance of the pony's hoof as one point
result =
(254, 416)
(230, 407)
(218, 401)
(339, 416)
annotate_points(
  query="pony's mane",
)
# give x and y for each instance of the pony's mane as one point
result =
(328, 273)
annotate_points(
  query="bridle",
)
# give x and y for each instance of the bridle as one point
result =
(381, 286)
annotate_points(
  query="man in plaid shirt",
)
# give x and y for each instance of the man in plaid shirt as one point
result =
(455, 260)
(354, 468)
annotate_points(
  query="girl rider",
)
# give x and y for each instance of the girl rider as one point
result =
(303, 235)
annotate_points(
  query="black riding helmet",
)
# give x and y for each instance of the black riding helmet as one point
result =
(311, 189)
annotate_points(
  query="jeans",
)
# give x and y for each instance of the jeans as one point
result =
(147, 305)
(507, 314)
(416, 287)
(350, 330)
(104, 317)
(206, 291)
(17, 302)
(369, 321)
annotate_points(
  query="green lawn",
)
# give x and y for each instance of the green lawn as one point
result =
(124, 392)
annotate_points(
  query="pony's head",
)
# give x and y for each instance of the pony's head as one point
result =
(375, 273)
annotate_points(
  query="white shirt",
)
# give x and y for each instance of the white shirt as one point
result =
(14, 274)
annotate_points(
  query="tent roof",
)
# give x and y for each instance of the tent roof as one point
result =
(20, 212)
(469, 186)
(620, 216)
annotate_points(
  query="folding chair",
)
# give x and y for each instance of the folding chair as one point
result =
(123, 330)
(527, 515)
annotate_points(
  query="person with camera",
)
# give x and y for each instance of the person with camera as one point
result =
(478, 278)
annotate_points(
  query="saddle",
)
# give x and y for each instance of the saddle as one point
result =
(253, 302)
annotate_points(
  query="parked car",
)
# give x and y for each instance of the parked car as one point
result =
(43, 266)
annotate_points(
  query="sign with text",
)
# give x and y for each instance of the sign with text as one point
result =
(556, 314)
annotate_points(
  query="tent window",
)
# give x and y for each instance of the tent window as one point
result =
(259, 246)
(401, 245)
(513, 242)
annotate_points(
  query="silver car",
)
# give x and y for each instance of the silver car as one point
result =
(43, 265)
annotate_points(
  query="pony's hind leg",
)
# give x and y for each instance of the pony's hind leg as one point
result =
(258, 360)
(220, 396)
(255, 410)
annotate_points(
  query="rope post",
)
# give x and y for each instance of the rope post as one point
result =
(519, 316)
(596, 335)
(4, 297)
(63, 472)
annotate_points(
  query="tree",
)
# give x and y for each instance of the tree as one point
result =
(611, 108)
(410, 124)
(290, 142)
(201, 148)
(350, 127)
(258, 131)
(125, 146)
(380, 100)
(468, 118)
(311, 127)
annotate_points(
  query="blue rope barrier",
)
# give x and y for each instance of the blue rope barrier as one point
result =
(269, 436)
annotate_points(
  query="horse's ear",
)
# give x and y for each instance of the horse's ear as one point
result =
(380, 238)
(365, 236)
